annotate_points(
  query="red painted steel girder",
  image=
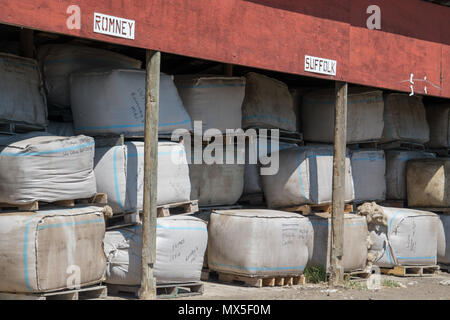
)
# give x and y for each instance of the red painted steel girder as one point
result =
(275, 34)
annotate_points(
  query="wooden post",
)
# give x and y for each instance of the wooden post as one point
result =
(148, 282)
(27, 43)
(228, 69)
(337, 216)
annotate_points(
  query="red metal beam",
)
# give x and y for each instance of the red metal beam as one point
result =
(275, 34)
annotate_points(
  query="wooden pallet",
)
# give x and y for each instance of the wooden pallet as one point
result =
(440, 152)
(92, 292)
(284, 136)
(209, 209)
(363, 145)
(402, 145)
(431, 209)
(393, 203)
(122, 220)
(163, 291)
(312, 208)
(357, 275)
(445, 267)
(411, 271)
(17, 127)
(179, 208)
(262, 281)
(253, 199)
(97, 199)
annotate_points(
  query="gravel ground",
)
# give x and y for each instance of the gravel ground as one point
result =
(393, 288)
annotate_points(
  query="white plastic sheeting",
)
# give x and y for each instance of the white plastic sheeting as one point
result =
(119, 172)
(39, 166)
(405, 119)
(364, 116)
(216, 101)
(356, 242)
(401, 236)
(113, 101)
(368, 172)
(180, 247)
(259, 242)
(59, 61)
(396, 171)
(41, 250)
(22, 98)
(304, 177)
(267, 104)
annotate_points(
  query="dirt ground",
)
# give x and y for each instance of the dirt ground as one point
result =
(393, 288)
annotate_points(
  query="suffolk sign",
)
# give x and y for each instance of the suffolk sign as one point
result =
(114, 26)
(320, 65)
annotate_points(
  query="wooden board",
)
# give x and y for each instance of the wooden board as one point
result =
(312, 208)
(402, 145)
(445, 267)
(432, 209)
(411, 271)
(262, 281)
(98, 199)
(163, 291)
(93, 292)
(260, 33)
(14, 127)
(180, 208)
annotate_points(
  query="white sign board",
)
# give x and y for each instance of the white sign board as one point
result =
(114, 26)
(320, 65)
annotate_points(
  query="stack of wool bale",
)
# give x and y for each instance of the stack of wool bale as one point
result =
(216, 102)
(41, 248)
(402, 236)
(105, 92)
(268, 104)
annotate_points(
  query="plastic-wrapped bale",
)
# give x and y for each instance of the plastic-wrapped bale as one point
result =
(113, 101)
(37, 166)
(396, 171)
(40, 248)
(180, 247)
(267, 104)
(368, 172)
(216, 101)
(405, 119)
(304, 176)
(252, 178)
(444, 240)
(259, 242)
(119, 173)
(22, 97)
(356, 242)
(401, 236)
(218, 184)
(59, 61)
(364, 117)
(428, 182)
(61, 128)
(438, 118)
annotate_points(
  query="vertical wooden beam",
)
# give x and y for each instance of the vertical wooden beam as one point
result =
(148, 282)
(228, 69)
(27, 43)
(337, 216)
